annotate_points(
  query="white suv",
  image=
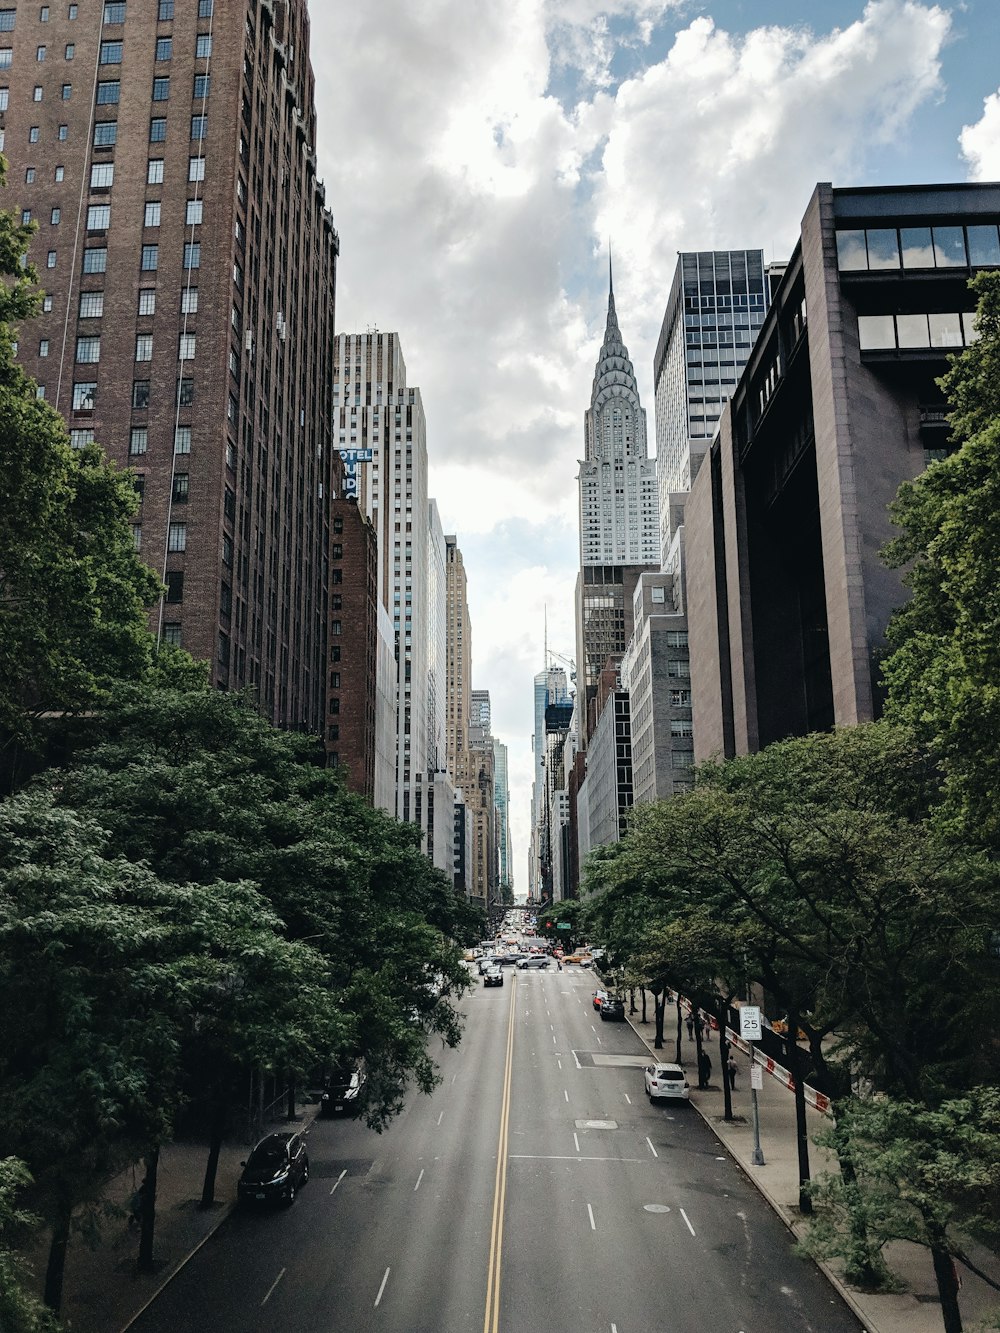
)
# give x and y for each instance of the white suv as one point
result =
(666, 1081)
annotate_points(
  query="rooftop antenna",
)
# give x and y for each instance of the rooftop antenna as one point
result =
(545, 613)
(611, 276)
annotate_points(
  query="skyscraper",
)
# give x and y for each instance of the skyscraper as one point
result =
(382, 434)
(619, 515)
(167, 155)
(459, 659)
(714, 312)
(501, 800)
(550, 687)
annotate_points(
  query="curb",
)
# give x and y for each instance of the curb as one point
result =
(227, 1212)
(772, 1203)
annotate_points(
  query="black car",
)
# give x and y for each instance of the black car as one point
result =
(612, 1010)
(275, 1170)
(493, 977)
(345, 1094)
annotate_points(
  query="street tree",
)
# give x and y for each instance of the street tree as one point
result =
(929, 1175)
(20, 1311)
(943, 668)
(203, 788)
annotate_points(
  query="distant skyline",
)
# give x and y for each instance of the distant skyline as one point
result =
(478, 157)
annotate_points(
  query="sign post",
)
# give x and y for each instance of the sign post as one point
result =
(750, 1030)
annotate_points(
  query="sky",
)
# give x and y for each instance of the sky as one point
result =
(480, 154)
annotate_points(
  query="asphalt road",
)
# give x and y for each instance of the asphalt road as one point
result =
(536, 1189)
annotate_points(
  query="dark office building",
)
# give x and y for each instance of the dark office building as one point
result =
(166, 152)
(352, 687)
(788, 598)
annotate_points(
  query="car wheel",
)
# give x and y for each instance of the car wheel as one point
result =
(305, 1174)
(290, 1197)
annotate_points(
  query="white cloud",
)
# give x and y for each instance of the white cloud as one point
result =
(471, 201)
(980, 143)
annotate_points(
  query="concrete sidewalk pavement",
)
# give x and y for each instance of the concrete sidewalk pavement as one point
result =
(918, 1309)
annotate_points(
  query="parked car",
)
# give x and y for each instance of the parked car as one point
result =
(345, 1093)
(275, 1170)
(666, 1082)
(533, 960)
(612, 1010)
(599, 997)
(493, 976)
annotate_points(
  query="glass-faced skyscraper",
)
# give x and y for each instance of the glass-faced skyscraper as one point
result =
(714, 312)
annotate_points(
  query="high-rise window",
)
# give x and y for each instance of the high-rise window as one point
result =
(109, 92)
(154, 171)
(105, 133)
(144, 347)
(189, 301)
(84, 397)
(165, 11)
(158, 129)
(138, 440)
(152, 215)
(199, 127)
(182, 440)
(102, 175)
(150, 258)
(111, 53)
(192, 255)
(196, 169)
(114, 11)
(186, 347)
(88, 349)
(147, 301)
(95, 260)
(161, 89)
(91, 305)
(164, 48)
(202, 84)
(98, 217)
(203, 45)
(177, 537)
(140, 394)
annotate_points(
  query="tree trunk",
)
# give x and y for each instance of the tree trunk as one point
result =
(727, 1092)
(644, 1018)
(659, 1009)
(697, 1041)
(864, 1266)
(947, 1285)
(794, 1059)
(218, 1132)
(631, 1000)
(680, 1023)
(56, 1266)
(147, 1215)
(290, 1111)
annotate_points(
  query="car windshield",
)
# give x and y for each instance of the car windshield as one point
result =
(669, 1075)
(268, 1154)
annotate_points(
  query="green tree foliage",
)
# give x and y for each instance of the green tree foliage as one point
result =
(19, 1311)
(204, 790)
(943, 671)
(930, 1175)
(72, 590)
(109, 979)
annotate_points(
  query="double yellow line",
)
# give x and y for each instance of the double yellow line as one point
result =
(491, 1323)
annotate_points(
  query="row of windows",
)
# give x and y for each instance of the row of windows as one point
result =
(887, 332)
(112, 53)
(85, 400)
(88, 348)
(879, 248)
(95, 260)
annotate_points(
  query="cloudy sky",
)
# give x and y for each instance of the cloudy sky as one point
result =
(478, 154)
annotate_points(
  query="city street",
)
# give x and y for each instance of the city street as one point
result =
(536, 1188)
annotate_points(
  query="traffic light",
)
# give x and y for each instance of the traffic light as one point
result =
(548, 925)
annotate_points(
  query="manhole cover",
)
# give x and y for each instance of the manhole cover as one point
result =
(655, 1208)
(596, 1124)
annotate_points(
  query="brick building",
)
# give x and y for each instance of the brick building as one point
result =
(166, 153)
(352, 698)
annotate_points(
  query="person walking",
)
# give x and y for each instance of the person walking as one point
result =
(704, 1069)
(706, 1030)
(731, 1071)
(690, 1025)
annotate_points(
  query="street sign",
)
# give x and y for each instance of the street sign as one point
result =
(750, 1029)
(564, 925)
(756, 1077)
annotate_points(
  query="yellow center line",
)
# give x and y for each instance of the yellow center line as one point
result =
(491, 1323)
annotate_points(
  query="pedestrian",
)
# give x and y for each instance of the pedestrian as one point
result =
(559, 964)
(704, 1069)
(690, 1025)
(706, 1030)
(731, 1071)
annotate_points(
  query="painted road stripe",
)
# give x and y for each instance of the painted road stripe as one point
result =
(338, 1180)
(590, 1214)
(687, 1221)
(270, 1290)
(385, 1279)
(419, 1179)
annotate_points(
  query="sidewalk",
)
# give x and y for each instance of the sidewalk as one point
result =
(103, 1292)
(918, 1310)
